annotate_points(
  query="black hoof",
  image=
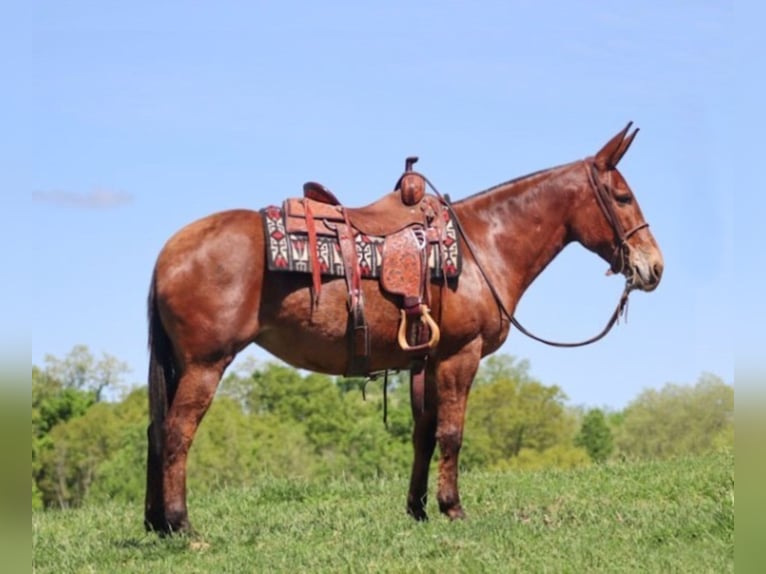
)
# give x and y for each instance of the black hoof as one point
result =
(177, 523)
(155, 522)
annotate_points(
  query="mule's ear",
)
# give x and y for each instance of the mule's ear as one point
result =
(623, 148)
(604, 157)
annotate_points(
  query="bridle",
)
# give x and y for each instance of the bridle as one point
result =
(604, 197)
(620, 256)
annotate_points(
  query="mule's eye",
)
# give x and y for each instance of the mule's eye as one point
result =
(623, 198)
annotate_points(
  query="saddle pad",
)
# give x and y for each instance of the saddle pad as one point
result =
(289, 251)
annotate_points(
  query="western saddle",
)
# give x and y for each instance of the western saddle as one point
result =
(412, 223)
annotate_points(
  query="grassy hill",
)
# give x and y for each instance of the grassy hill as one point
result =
(671, 516)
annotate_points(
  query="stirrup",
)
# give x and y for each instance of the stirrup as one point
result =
(426, 319)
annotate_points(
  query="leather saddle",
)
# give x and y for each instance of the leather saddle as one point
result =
(411, 223)
(381, 218)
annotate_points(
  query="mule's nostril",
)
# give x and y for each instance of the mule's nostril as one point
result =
(657, 268)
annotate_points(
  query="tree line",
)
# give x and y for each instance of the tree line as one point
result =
(271, 419)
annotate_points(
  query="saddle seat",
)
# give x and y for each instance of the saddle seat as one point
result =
(381, 218)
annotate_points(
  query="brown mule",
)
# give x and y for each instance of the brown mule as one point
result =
(212, 295)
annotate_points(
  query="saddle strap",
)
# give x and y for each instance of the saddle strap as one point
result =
(316, 276)
(359, 361)
(353, 273)
(359, 336)
(424, 335)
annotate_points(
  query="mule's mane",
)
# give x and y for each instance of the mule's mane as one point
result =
(516, 181)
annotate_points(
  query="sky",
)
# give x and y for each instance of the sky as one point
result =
(129, 120)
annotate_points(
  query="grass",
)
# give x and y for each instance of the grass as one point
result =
(672, 516)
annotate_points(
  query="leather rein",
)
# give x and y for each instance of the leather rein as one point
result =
(617, 265)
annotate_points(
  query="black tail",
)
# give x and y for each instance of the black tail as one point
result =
(163, 377)
(163, 380)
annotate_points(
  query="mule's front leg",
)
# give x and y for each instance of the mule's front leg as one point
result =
(450, 437)
(454, 378)
(424, 443)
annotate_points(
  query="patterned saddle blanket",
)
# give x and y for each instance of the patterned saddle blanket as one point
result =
(289, 251)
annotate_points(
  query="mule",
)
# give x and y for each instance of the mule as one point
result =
(212, 295)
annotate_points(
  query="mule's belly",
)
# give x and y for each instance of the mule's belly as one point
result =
(316, 337)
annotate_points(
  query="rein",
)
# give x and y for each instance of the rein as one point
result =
(602, 196)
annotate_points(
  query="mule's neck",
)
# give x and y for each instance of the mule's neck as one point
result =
(517, 228)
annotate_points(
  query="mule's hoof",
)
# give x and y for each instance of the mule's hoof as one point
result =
(155, 522)
(166, 526)
(418, 514)
(181, 527)
(452, 511)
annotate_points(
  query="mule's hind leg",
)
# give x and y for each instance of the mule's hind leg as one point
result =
(195, 392)
(424, 443)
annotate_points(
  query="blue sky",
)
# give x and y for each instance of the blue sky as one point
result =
(129, 120)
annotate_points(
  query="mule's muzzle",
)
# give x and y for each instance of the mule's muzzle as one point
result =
(645, 274)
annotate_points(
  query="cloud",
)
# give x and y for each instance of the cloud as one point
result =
(100, 198)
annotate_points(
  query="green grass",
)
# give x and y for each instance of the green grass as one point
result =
(674, 516)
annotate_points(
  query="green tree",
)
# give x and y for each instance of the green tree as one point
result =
(563, 456)
(78, 447)
(98, 455)
(53, 404)
(369, 448)
(313, 401)
(325, 421)
(503, 367)
(64, 391)
(679, 420)
(120, 468)
(595, 436)
(513, 413)
(80, 370)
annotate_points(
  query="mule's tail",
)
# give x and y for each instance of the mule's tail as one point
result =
(163, 380)
(162, 368)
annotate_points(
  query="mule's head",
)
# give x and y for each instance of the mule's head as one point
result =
(608, 219)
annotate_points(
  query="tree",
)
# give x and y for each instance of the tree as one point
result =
(79, 447)
(503, 367)
(80, 370)
(679, 420)
(512, 413)
(99, 454)
(595, 436)
(64, 391)
(53, 404)
(370, 448)
(343, 433)
(562, 456)
(120, 469)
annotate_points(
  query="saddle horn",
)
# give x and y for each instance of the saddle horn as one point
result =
(411, 184)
